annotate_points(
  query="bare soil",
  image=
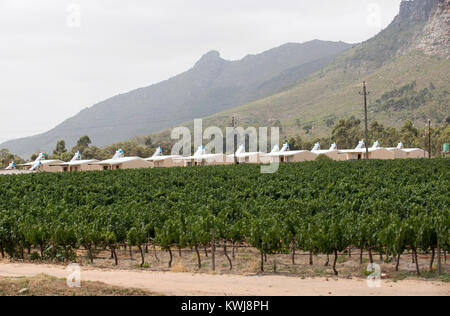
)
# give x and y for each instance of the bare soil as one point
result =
(280, 278)
(202, 284)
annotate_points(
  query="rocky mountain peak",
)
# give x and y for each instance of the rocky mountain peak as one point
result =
(415, 11)
(436, 38)
(209, 59)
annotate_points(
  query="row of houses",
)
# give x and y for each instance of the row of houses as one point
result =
(202, 158)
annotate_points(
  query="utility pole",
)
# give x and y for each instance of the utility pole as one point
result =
(424, 142)
(429, 138)
(233, 123)
(365, 94)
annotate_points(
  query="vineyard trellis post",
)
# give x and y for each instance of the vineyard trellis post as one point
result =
(213, 250)
(438, 257)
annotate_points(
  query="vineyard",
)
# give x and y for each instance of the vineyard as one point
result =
(385, 207)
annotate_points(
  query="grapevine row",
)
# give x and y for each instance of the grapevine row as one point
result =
(317, 207)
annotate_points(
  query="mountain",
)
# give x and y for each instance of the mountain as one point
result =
(211, 86)
(298, 87)
(406, 67)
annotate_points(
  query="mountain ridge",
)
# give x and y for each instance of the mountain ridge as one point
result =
(212, 85)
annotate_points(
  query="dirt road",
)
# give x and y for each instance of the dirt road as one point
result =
(171, 283)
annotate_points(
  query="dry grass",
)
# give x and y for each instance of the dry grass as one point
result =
(44, 285)
(251, 266)
(179, 267)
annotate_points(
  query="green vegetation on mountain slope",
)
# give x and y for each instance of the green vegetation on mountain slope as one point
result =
(413, 87)
(333, 93)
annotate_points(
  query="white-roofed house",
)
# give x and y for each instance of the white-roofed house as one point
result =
(201, 158)
(119, 161)
(41, 164)
(12, 169)
(415, 153)
(158, 160)
(398, 151)
(286, 155)
(11, 166)
(78, 164)
(375, 152)
(243, 157)
(332, 153)
(401, 152)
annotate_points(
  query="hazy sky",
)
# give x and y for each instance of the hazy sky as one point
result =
(58, 57)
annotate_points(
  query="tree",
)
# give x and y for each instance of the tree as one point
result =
(60, 148)
(391, 137)
(278, 124)
(376, 131)
(295, 143)
(84, 141)
(82, 144)
(148, 141)
(6, 158)
(408, 133)
(329, 122)
(307, 128)
(347, 133)
(93, 152)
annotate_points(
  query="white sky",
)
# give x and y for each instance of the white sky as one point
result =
(50, 69)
